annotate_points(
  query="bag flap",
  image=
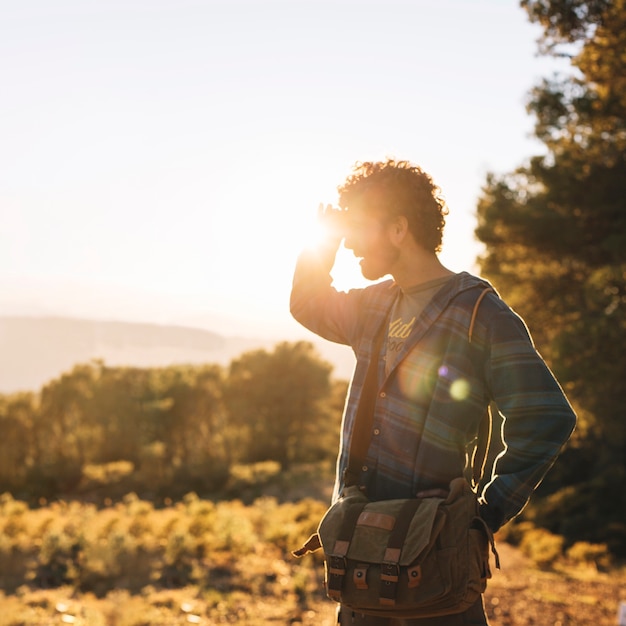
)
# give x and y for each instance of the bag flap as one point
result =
(374, 525)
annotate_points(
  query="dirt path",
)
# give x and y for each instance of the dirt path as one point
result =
(521, 595)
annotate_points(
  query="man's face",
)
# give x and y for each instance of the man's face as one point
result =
(367, 235)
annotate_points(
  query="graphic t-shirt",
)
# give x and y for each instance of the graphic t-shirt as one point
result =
(406, 310)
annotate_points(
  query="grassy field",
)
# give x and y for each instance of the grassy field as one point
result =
(228, 562)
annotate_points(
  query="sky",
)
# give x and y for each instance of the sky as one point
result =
(162, 160)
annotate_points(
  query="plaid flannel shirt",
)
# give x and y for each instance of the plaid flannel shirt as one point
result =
(429, 406)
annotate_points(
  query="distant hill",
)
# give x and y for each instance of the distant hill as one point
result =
(34, 350)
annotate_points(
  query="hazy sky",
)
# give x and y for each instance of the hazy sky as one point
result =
(161, 160)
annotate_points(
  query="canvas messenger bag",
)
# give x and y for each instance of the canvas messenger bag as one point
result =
(416, 557)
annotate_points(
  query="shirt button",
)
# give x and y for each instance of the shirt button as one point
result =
(383, 394)
(377, 431)
(365, 468)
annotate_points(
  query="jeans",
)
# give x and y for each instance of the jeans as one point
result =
(475, 615)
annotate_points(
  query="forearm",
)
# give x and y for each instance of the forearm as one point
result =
(311, 280)
(538, 421)
(314, 302)
(530, 452)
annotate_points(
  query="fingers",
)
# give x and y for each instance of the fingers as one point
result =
(332, 222)
(323, 211)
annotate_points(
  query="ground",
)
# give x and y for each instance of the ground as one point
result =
(519, 594)
(522, 595)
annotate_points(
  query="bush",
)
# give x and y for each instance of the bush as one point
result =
(590, 554)
(542, 546)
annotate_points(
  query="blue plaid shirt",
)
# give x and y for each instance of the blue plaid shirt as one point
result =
(431, 402)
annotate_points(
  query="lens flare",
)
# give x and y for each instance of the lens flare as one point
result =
(460, 389)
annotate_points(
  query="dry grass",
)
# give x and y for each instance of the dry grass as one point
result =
(203, 562)
(568, 594)
(158, 608)
(131, 564)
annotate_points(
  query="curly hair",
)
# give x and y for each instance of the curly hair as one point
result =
(398, 188)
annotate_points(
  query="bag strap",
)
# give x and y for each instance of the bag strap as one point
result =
(483, 293)
(390, 567)
(485, 427)
(365, 413)
(336, 557)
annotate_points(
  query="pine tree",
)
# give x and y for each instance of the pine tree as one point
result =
(555, 237)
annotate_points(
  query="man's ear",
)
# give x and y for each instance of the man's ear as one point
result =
(398, 229)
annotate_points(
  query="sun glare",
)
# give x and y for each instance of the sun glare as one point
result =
(346, 272)
(312, 234)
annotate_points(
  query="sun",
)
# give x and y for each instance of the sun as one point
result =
(346, 272)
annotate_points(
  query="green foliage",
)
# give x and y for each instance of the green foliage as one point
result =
(592, 510)
(548, 550)
(275, 401)
(590, 554)
(555, 236)
(99, 432)
(251, 478)
(566, 21)
(542, 546)
(18, 414)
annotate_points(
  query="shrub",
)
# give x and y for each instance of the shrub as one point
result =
(593, 554)
(542, 546)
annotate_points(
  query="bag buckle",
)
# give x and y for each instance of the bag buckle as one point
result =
(390, 572)
(337, 565)
(389, 576)
(335, 573)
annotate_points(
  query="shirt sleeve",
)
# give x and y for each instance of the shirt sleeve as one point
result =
(317, 305)
(537, 418)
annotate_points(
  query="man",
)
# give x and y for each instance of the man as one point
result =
(434, 386)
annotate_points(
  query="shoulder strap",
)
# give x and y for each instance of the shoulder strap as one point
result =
(485, 428)
(364, 417)
(483, 293)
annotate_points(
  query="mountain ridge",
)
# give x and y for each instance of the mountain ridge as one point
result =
(36, 349)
